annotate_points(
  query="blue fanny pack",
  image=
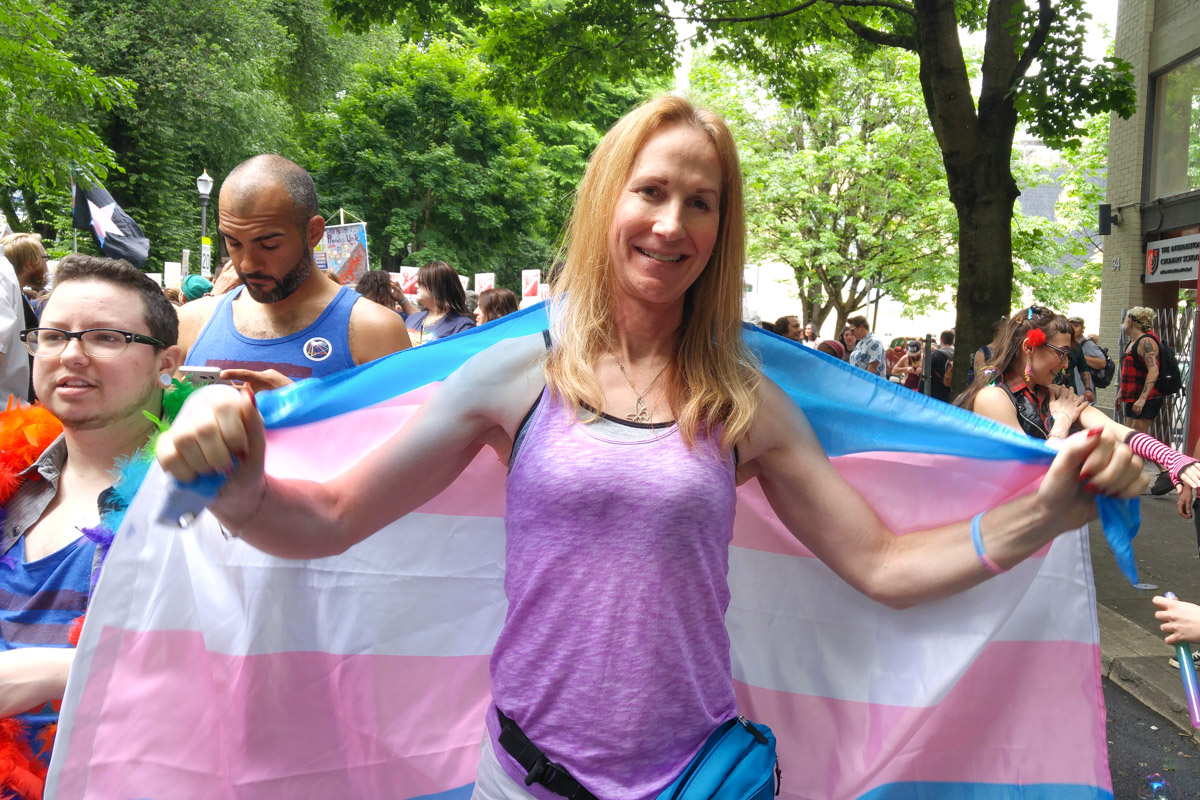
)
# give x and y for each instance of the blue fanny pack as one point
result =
(737, 762)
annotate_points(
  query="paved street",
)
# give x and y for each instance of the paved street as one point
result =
(1143, 686)
(1141, 743)
(1166, 556)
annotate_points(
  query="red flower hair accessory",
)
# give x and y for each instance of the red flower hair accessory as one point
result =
(1036, 337)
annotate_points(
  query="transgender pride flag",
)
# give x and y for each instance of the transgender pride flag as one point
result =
(210, 670)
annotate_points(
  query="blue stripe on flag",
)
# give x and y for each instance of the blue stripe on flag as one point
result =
(933, 790)
(850, 410)
(460, 793)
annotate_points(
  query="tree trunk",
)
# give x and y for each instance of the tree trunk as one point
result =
(976, 150)
(985, 272)
(10, 212)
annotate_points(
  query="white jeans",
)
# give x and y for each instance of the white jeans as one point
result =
(493, 783)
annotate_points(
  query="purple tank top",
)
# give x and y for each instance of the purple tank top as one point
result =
(614, 658)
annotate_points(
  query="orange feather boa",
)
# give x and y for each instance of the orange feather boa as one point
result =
(25, 432)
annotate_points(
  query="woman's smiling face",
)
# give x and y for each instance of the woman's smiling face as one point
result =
(667, 217)
(1046, 361)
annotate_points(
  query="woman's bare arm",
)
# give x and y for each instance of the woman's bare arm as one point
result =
(480, 404)
(30, 677)
(830, 517)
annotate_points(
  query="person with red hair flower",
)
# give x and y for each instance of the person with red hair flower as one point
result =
(1016, 388)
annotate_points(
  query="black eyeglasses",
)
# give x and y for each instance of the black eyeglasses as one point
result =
(96, 342)
(1063, 353)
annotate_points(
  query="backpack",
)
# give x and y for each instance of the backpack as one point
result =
(1102, 377)
(1169, 379)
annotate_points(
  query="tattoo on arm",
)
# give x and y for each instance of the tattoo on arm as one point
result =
(1148, 350)
(1149, 353)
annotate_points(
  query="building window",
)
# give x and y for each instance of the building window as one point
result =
(1175, 162)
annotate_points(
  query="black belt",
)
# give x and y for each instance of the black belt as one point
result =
(538, 768)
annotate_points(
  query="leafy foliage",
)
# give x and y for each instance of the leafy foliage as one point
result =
(1057, 256)
(850, 194)
(419, 148)
(44, 93)
(216, 81)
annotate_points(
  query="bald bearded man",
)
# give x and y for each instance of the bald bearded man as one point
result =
(287, 321)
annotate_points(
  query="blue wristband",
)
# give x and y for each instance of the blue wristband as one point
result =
(977, 540)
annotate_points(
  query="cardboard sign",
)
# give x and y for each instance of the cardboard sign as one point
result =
(344, 250)
(465, 280)
(485, 281)
(173, 274)
(408, 279)
(531, 280)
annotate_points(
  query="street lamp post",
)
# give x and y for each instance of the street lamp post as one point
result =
(204, 185)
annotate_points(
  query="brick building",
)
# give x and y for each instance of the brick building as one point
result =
(1154, 172)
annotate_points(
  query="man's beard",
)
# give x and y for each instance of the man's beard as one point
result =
(283, 288)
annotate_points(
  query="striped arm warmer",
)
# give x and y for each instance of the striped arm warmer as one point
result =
(1152, 449)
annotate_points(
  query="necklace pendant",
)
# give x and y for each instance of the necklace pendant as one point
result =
(639, 412)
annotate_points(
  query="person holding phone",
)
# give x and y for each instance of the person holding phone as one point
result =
(287, 321)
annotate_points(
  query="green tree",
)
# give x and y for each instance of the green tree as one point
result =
(216, 82)
(419, 148)
(849, 194)
(1054, 257)
(567, 140)
(1034, 72)
(44, 94)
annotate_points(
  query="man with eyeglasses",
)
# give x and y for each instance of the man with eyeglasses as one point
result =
(104, 350)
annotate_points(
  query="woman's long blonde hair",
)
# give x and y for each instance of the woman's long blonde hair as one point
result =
(714, 379)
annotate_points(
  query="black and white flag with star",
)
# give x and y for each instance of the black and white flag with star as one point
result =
(117, 235)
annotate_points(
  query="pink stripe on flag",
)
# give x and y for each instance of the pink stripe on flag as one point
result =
(909, 491)
(980, 733)
(322, 449)
(177, 719)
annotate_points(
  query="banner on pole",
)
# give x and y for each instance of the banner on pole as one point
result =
(206, 258)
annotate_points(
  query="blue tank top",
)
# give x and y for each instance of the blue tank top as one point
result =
(321, 349)
(39, 601)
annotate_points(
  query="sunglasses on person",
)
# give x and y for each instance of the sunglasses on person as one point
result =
(96, 342)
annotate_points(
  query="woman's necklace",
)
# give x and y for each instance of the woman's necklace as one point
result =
(640, 414)
(430, 320)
